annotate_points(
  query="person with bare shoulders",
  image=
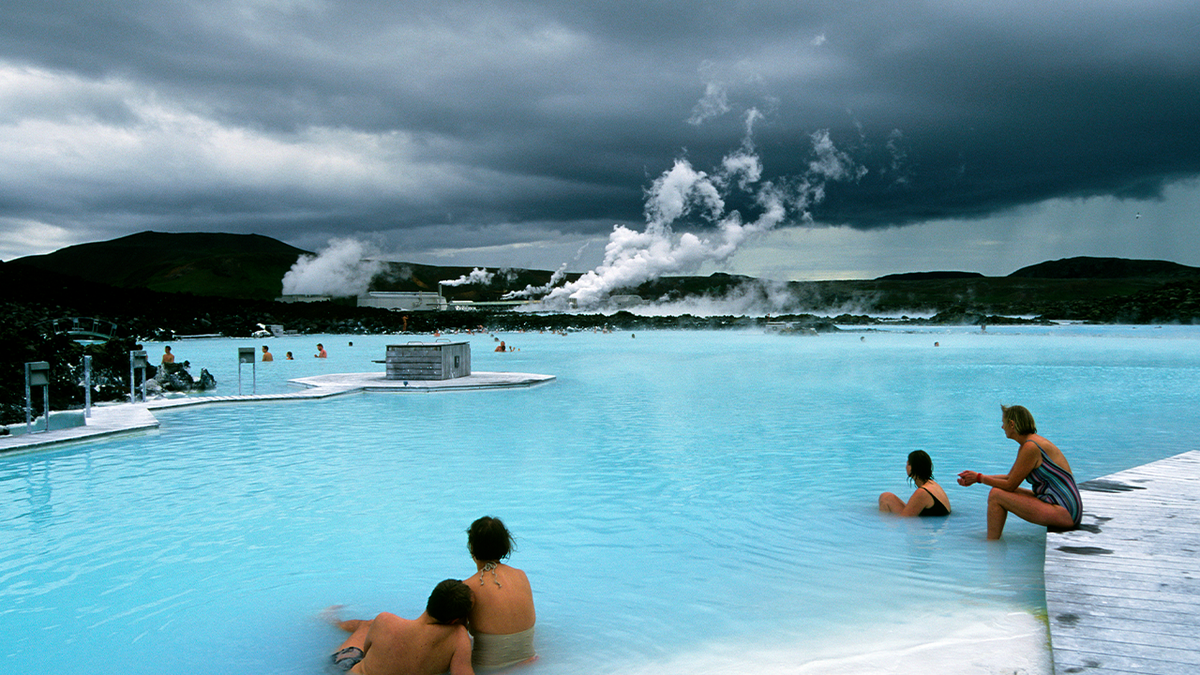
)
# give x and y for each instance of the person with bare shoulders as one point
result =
(168, 357)
(929, 499)
(503, 617)
(435, 642)
(1054, 500)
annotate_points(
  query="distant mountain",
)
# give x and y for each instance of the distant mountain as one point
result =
(246, 266)
(1106, 268)
(925, 276)
(251, 267)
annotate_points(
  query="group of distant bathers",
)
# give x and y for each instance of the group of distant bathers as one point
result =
(1054, 500)
(485, 621)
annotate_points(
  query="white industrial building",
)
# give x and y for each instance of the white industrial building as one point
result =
(403, 301)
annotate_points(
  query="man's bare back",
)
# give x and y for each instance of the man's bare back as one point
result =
(433, 643)
(396, 646)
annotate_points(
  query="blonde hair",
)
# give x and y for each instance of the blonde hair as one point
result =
(1021, 418)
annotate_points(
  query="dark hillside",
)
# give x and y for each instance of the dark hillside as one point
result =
(1106, 268)
(246, 266)
(926, 276)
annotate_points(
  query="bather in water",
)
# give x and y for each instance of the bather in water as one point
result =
(929, 499)
(502, 619)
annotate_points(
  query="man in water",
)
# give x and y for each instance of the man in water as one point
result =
(435, 642)
(321, 351)
(267, 355)
(168, 357)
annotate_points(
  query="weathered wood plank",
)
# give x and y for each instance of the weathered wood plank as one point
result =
(1123, 591)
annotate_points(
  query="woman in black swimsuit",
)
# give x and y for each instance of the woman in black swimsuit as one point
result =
(929, 499)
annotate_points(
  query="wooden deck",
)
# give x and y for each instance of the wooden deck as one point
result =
(1123, 591)
(107, 420)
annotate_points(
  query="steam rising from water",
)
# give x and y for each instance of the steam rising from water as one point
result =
(341, 269)
(683, 192)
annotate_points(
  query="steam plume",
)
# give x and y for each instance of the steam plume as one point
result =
(477, 276)
(342, 268)
(632, 257)
(532, 291)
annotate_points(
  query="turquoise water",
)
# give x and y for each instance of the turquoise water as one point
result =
(683, 502)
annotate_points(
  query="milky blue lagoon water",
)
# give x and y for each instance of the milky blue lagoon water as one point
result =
(683, 502)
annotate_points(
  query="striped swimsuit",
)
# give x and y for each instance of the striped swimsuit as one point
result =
(1055, 485)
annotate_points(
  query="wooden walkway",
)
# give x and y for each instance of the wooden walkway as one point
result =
(1123, 591)
(107, 420)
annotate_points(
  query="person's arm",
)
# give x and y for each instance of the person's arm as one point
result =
(1027, 458)
(918, 502)
(460, 663)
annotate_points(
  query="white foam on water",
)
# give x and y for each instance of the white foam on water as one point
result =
(979, 641)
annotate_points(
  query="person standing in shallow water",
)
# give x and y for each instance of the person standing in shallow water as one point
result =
(929, 499)
(502, 618)
(1054, 500)
(321, 351)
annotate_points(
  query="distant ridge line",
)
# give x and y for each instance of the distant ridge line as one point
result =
(1085, 267)
(922, 276)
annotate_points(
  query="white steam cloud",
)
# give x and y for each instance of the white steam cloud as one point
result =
(632, 258)
(477, 276)
(532, 291)
(341, 269)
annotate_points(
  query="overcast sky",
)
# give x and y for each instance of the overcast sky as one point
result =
(888, 136)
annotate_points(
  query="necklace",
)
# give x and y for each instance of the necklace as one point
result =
(489, 567)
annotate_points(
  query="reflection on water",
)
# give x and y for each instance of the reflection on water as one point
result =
(683, 502)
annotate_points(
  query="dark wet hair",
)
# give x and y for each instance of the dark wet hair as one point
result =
(920, 466)
(1020, 417)
(488, 539)
(449, 601)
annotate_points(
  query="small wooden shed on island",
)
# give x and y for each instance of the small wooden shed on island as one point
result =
(443, 360)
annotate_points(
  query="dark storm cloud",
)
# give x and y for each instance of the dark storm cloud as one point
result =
(288, 116)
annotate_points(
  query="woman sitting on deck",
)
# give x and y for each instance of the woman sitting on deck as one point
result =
(929, 499)
(1054, 500)
(502, 619)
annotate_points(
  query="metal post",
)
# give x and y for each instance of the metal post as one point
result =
(137, 361)
(87, 386)
(246, 355)
(28, 402)
(37, 374)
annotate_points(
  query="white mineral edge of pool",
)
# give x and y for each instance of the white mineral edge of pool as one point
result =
(683, 502)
